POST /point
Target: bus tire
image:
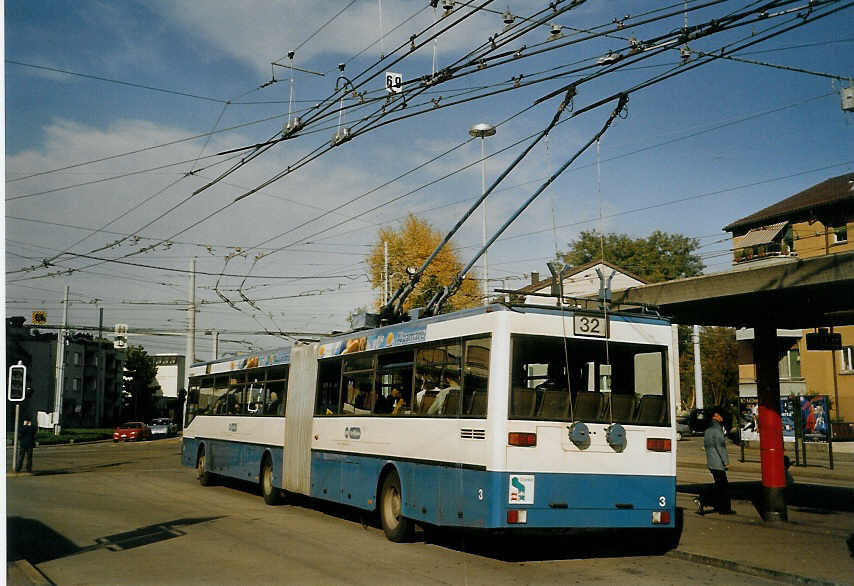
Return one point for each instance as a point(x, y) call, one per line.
point(397, 527)
point(272, 495)
point(205, 477)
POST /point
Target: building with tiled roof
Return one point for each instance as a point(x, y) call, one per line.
point(579, 281)
point(814, 222)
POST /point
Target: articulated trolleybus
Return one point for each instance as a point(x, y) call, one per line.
point(501, 417)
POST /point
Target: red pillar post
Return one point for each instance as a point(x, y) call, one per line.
point(770, 424)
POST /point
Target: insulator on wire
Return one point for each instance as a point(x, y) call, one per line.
point(508, 17)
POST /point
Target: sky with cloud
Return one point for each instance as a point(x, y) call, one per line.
point(117, 113)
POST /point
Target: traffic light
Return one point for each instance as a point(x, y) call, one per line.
point(17, 382)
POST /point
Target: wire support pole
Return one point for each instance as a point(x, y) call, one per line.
point(191, 323)
point(60, 368)
point(483, 219)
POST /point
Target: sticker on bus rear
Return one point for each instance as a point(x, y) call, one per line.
point(521, 489)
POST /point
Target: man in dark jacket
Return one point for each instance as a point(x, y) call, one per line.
point(717, 460)
point(26, 443)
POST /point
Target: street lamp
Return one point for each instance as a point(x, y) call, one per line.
point(483, 130)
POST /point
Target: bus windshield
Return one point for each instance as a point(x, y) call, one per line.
point(588, 380)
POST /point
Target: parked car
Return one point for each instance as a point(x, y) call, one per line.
point(132, 431)
point(683, 427)
point(163, 427)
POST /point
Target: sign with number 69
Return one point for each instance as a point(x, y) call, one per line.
point(393, 82)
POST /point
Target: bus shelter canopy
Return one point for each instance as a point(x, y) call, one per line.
point(790, 293)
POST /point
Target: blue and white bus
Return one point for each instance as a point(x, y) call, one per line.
point(498, 417)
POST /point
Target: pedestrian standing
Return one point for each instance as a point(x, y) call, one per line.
point(26, 443)
point(717, 460)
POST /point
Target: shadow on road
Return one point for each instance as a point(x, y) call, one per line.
point(813, 498)
point(510, 546)
point(86, 468)
point(35, 542)
point(31, 540)
point(565, 545)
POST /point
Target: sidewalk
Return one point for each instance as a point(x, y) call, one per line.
point(815, 546)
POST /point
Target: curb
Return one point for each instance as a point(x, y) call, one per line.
point(784, 577)
point(27, 571)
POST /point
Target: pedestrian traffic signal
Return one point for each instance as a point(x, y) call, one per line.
point(17, 382)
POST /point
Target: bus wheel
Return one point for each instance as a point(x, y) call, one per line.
point(272, 495)
point(397, 527)
point(205, 477)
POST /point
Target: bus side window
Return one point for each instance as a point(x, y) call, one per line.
point(476, 377)
point(274, 401)
point(218, 396)
point(328, 387)
point(438, 373)
point(276, 394)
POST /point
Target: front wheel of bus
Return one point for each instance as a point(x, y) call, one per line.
point(397, 527)
point(205, 477)
point(272, 495)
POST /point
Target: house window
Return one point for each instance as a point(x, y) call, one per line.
point(76, 358)
point(790, 364)
point(846, 361)
point(75, 384)
point(840, 234)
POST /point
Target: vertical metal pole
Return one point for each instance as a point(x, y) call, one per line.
point(102, 369)
point(15, 442)
point(770, 424)
point(191, 324)
point(380, 8)
point(60, 368)
point(215, 350)
point(835, 389)
point(385, 272)
point(483, 226)
point(698, 370)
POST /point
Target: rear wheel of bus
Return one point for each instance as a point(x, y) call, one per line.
point(397, 527)
point(272, 495)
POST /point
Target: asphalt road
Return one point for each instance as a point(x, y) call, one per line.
point(130, 514)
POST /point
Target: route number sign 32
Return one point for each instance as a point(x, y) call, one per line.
point(590, 325)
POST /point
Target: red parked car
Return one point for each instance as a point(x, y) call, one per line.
point(134, 430)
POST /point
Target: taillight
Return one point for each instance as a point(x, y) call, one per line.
point(660, 517)
point(658, 444)
point(521, 439)
point(517, 516)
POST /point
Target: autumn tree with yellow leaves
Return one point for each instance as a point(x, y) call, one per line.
point(409, 247)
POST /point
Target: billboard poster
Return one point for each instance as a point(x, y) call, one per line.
point(814, 420)
point(748, 418)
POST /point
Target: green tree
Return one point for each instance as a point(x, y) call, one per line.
point(409, 247)
point(140, 384)
point(658, 257)
point(719, 361)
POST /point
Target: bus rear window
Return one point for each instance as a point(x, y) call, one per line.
point(582, 380)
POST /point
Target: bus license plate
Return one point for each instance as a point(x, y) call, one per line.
point(590, 325)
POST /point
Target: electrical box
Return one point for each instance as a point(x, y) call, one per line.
point(824, 340)
point(848, 99)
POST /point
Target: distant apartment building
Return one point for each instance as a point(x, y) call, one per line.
point(814, 222)
point(170, 377)
point(92, 375)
